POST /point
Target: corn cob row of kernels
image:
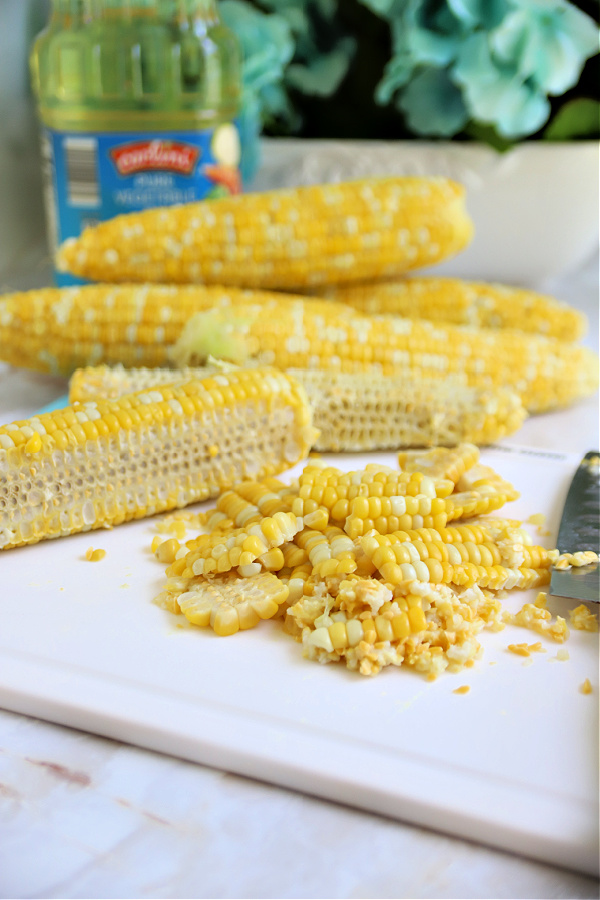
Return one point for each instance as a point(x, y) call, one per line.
point(227, 603)
point(239, 549)
point(357, 412)
point(100, 463)
point(283, 239)
point(546, 373)
point(481, 550)
point(441, 462)
point(408, 561)
point(460, 302)
point(330, 552)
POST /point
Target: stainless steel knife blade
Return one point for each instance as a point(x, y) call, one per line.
point(580, 530)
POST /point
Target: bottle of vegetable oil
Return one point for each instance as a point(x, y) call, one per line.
point(138, 102)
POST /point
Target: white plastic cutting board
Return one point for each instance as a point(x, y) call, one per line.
point(512, 763)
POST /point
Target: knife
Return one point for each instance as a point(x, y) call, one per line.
point(580, 530)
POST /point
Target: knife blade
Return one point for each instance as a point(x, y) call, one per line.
point(580, 530)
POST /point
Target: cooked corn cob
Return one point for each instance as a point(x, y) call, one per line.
point(545, 372)
point(459, 302)
point(370, 411)
point(357, 412)
point(58, 329)
point(100, 463)
point(323, 234)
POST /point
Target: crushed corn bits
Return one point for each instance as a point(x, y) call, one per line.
point(341, 598)
point(582, 619)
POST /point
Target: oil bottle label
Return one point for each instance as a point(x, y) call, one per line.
point(91, 177)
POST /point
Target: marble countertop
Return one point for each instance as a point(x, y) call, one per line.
point(83, 816)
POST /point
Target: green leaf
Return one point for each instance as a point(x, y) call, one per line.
point(576, 119)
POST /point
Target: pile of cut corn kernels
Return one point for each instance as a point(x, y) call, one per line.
point(378, 567)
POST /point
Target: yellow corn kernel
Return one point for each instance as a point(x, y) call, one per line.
point(417, 620)
point(34, 444)
point(384, 629)
point(225, 621)
point(94, 555)
point(401, 626)
point(273, 560)
point(317, 520)
point(370, 632)
point(166, 551)
point(338, 635)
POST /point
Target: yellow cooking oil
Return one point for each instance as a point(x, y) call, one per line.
point(138, 102)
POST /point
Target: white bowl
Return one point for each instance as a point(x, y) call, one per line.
point(535, 207)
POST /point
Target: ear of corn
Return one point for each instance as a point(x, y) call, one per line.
point(459, 302)
point(59, 329)
point(546, 373)
point(100, 463)
point(356, 412)
point(323, 234)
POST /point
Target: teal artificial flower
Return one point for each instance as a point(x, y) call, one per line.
point(492, 62)
point(537, 51)
point(495, 94)
point(267, 47)
point(322, 57)
point(432, 96)
point(547, 41)
point(427, 35)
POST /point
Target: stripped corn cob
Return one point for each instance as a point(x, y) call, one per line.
point(323, 234)
point(100, 463)
point(460, 302)
point(357, 412)
point(58, 329)
point(546, 373)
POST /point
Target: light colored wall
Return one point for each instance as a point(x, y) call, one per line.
point(21, 211)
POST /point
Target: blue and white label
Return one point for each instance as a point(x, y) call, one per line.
point(93, 177)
